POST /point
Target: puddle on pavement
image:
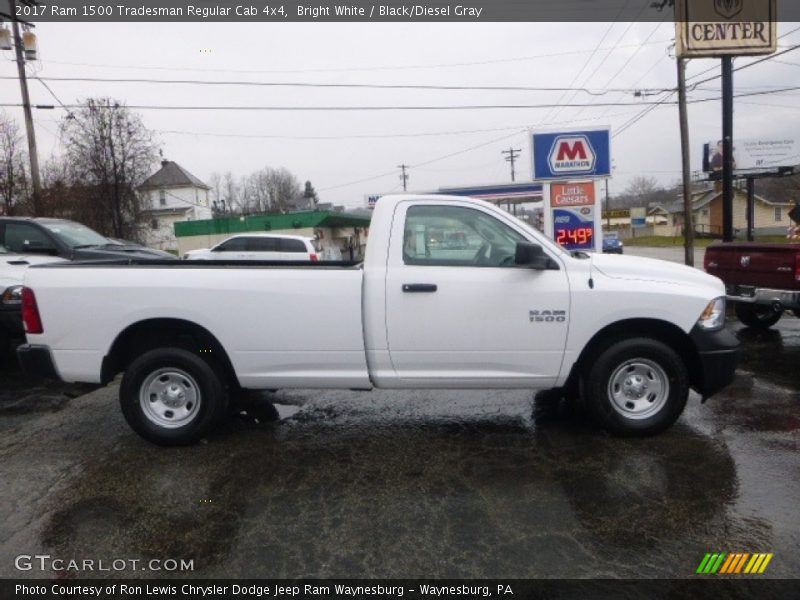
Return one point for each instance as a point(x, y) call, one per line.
point(438, 483)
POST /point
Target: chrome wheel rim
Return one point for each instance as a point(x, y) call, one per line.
point(638, 389)
point(169, 398)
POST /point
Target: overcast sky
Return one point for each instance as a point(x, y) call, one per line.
point(444, 148)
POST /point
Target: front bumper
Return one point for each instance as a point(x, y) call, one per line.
point(37, 362)
point(719, 357)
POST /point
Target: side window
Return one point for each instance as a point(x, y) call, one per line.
point(23, 238)
point(234, 245)
point(293, 246)
point(457, 236)
point(262, 244)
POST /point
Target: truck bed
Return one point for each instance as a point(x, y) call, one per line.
point(751, 264)
point(282, 322)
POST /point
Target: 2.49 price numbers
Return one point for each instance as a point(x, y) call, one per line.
point(581, 236)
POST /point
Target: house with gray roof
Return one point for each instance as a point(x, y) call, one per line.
point(171, 195)
point(770, 216)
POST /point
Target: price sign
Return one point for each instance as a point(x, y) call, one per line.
point(573, 228)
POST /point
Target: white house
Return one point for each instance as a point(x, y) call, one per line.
point(169, 195)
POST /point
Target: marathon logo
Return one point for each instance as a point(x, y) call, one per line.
point(572, 154)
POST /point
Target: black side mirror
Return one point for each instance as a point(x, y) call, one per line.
point(532, 256)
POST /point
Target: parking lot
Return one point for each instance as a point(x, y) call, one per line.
point(413, 484)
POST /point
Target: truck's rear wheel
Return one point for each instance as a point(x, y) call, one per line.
point(172, 397)
point(761, 316)
point(637, 387)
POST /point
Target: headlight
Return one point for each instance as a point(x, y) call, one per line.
point(713, 316)
point(12, 296)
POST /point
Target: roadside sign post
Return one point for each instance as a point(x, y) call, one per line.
point(727, 149)
point(569, 163)
point(724, 29)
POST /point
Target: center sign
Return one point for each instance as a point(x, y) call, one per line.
point(710, 28)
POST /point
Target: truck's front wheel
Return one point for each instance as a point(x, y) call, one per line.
point(760, 316)
point(172, 397)
point(637, 387)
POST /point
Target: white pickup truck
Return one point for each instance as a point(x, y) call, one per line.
point(503, 308)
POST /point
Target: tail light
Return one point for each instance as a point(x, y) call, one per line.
point(30, 312)
point(314, 257)
point(797, 267)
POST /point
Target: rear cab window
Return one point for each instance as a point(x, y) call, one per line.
point(289, 245)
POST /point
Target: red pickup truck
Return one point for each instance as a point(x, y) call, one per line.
point(762, 280)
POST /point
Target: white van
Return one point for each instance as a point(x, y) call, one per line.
point(260, 246)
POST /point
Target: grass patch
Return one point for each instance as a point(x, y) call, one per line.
point(660, 241)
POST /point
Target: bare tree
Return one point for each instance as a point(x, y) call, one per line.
point(231, 194)
point(642, 187)
point(780, 189)
point(109, 151)
point(14, 180)
point(271, 190)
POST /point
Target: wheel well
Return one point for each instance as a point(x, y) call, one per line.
point(662, 331)
point(147, 335)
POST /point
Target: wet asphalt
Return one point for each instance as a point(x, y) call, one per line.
point(412, 484)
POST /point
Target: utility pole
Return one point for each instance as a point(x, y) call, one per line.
point(688, 217)
point(512, 153)
point(404, 176)
point(26, 107)
point(727, 149)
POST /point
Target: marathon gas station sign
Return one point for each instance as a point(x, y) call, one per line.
point(569, 163)
point(708, 28)
point(571, 154)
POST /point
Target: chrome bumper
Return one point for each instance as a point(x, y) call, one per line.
point(750, 295)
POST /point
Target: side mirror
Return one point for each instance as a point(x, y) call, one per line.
point(532, 256)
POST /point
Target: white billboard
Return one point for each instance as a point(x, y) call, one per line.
point(754, 154)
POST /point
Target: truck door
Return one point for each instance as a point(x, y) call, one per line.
point(459, 313)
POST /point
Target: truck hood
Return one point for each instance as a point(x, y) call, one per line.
point(650, 269)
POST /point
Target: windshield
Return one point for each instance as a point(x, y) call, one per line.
point(75, 235)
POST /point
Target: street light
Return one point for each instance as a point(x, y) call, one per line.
point(5, 38)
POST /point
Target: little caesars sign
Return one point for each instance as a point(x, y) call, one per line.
point(707, 28)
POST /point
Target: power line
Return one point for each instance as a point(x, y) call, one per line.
point(516, 127)
point(627, 62)
point(353, 108)
point(583, 68)
point(305, 84)
point(401, 107)
point(327, 70)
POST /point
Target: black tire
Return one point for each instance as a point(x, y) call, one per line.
point(177, 371)
point(760, 316)
point(637, 366)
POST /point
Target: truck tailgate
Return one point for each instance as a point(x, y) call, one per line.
point(759, 265)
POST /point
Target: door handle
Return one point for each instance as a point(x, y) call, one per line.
point(419, 287)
